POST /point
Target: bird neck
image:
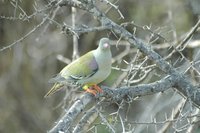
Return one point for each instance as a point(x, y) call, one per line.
point(103, 57)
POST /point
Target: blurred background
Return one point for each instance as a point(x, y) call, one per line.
point(39, 48)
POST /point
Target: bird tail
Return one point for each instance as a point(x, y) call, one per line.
point(56, 87)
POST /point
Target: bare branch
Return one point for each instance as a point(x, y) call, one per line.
point(64, 123)
point(116, 95)
point(183, 43)
point(25, 36)
point(115, 7)
point(106, 122)
point(75, 38)
point(81, 30)
point(85, 120)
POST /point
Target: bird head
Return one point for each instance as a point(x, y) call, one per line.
point(104, 44)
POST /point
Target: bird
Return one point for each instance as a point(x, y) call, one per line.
point(87, 71)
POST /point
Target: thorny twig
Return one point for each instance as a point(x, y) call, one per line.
point(25, 36)
point(183, 43)
point(64, 123)
point(46, 17)
point(115, 7)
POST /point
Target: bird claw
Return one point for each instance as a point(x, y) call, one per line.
point(93, 89)
point(97, 88)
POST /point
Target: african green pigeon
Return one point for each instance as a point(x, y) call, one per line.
point(88, 70)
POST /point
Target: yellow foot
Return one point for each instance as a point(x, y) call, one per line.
point(93, 89)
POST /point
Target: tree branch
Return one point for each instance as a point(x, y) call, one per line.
point(116, 94)
point(64, 123)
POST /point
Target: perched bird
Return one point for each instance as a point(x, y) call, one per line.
point(88, 70)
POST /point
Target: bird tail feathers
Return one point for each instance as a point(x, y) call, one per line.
point(56, 87)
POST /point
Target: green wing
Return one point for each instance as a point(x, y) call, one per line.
point(83, 67)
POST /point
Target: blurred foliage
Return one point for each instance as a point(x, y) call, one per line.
point(26, 67)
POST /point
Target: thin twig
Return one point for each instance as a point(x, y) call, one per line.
point(106, 122)
point(64, 123)
point(75, 54)
point(183, 43)
point(26, 35)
